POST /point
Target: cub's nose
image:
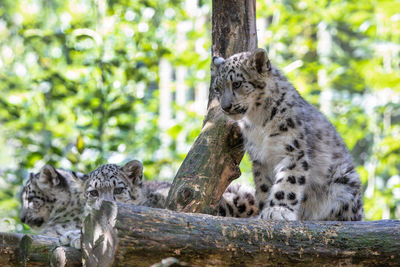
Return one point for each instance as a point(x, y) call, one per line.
point(226, 107)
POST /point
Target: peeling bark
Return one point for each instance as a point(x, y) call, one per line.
point(213, 161)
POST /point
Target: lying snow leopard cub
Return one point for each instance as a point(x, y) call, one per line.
point(52, 203)
point(301, 167)
point(124, 184)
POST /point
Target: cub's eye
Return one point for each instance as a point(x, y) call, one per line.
point(94, 193)
point(118, 190)
point(236, 85)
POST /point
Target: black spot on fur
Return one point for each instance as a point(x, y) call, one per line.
point(292, 166)
point(242, 208)
point(346, 207)
point(283, 128)
point(274, 134)
point(264, 188)
point(305, 198)
point(273, 113)
point(258, 104)
point(291, 179)
point(305, 165)
point(350, 169)
point(279, 195)
point(279, 180)
point(261, 205)
point(296, 144)
point(294, 203)
point(283, 110)
point(290, 123)
point(289, 148)
point(257, 173)
point(222, 212)
point(301, 154)
point(235, 200)
point(291, 196)
point(342, 180)
point(302, 180)
point(280, 100)
point(250, 212)
point(271, 203)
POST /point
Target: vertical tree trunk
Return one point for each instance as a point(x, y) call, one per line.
point(213, 161)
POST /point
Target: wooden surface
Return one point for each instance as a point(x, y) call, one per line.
point(213, 161)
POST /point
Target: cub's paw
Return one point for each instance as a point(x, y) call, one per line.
point(76, 242)
point(71, 238)
point(277, 213)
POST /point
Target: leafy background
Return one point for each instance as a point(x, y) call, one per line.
point(79, 84)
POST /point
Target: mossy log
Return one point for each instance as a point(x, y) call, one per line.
point(35, 250)
point(147, 235)
point(213, 161)
point(144, 236)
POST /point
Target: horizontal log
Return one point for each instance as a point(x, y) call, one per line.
point(35, 250)
point(146, 236)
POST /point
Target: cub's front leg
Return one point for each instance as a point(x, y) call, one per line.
point(283, 202)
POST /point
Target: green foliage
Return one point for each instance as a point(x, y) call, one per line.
point(79, 84)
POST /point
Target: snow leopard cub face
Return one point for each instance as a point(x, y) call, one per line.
point(46, 194)
point(114, 183)
point(239, 79)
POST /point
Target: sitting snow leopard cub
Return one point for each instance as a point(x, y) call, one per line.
point(301, 167)
point(52, 203)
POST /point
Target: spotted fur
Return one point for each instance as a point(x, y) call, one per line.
point(52, 203)
point(301, 167)
point(238, 201)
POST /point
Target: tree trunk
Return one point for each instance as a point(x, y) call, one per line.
point(146, 236)
point(30, 250)
point(213, 161)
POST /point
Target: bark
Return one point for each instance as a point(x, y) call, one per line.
point(99, 236)
point(31, 250)
point(213, 161)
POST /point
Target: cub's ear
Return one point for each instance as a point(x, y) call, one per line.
point(260, 61)
point(134, 170)
point(49, 176)
point(216, 62)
